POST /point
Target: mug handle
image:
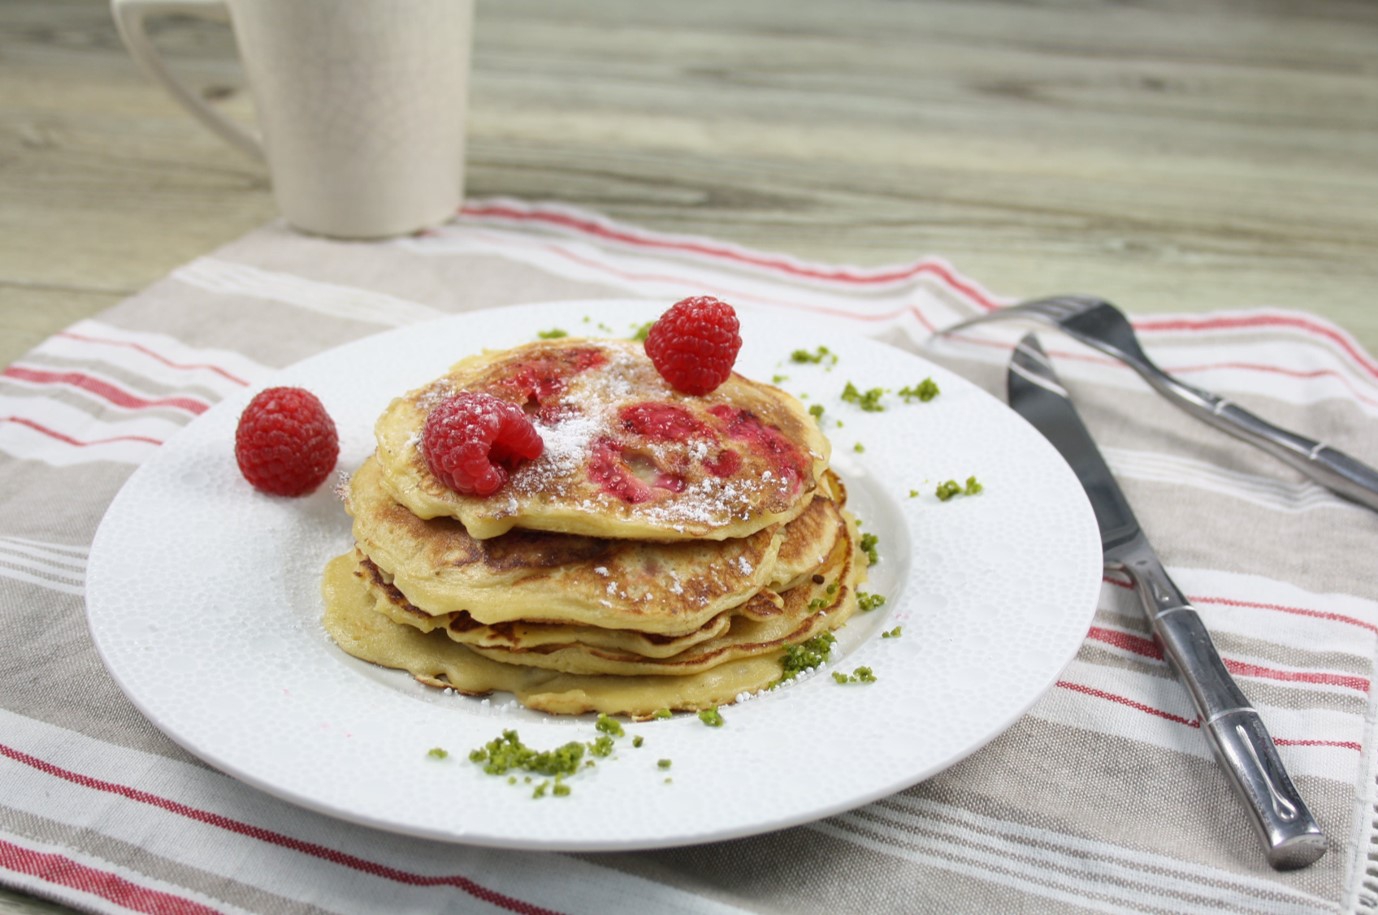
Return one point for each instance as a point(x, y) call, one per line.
point(130, 16)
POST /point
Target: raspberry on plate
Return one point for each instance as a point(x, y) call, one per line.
point(471, 441)
point(286, 444)
point(694, 344)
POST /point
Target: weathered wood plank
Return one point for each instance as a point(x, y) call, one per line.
point(1169, 156)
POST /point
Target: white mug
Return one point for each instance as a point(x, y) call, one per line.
point(361, 103)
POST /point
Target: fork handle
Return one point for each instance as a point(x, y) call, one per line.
point(1328, 466)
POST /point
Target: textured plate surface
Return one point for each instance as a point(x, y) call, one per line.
point(203, 600)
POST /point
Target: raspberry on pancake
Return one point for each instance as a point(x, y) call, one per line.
point(625, 454)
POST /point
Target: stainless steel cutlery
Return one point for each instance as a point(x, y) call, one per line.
point(1241, 743)
point(1104, 327)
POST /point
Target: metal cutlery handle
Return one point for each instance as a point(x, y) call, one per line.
point(1329, 467)
point(1241, 743)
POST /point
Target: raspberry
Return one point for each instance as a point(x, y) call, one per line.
point(472, 441)
point(286, 443)
point(695, 344)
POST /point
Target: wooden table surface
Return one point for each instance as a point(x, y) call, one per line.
point(1169, 155)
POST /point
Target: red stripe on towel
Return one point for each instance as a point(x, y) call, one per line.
point(129, 344)
point(788, 266)
point(103, 389)
point(353, 862)
point(63, 871)
point(67, 439)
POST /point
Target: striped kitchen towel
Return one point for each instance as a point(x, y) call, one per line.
point(1102, 798)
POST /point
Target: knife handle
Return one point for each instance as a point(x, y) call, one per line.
point(1291, 836)
point(1328, 466)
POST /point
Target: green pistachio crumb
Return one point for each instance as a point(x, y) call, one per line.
point(952, 488)
point(913, 493)
point(506, 753)
point(663, 763)
point(820, 355)
point(868, 400)
point(638, 740)
point(609, 725)
point(601, 747)
point(560, 789)
point(923, 392)
point(669, 780)
point(555, 333)
point(711, 717)
point(777, 379)
point(860, 675)
point(661, 713)
point(641, 332)
point(839, 676)
point(541, 789)
point(868, 545)
point(805, 656)
point(816, 411)
point(859, 448)
point(437, 753)
point(893, 633)
point(868, 602)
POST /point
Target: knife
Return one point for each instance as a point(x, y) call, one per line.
point(1242, 745)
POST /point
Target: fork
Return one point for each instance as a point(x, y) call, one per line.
point(1103, 327)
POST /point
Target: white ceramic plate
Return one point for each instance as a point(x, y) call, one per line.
point(203, 601)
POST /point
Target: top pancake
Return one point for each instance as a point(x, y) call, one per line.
point(626, 456)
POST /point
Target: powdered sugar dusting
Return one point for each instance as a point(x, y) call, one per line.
point(647, 474)
point(567, 444)
point(430, 397)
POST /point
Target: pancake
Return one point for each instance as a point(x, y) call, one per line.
point(537, 576)
point(762, 626)
point(810, 537)
point(436, 661)
point(625, 455)
point(662, 552)
point(521, 635)
point(433, 658)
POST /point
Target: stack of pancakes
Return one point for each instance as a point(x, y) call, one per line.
point(661, 553)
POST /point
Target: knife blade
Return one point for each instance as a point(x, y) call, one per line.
point(1291, 836)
